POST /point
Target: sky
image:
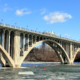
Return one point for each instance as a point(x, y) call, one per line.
point(60, 16)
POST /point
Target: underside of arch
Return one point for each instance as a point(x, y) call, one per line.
point(76, 52)
point(46, 41)
point(2, 60)
point(59, 55)
point(6, 57)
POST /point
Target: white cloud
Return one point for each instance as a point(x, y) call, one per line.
point(43, 11)
point(56, 17)
point(22, 12)
point(6, 4)
point(59, 34)
point(67, 35)
point(5, 9)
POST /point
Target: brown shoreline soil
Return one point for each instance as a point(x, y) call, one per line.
point(46, 56)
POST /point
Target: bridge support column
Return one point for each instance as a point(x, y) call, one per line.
point(67, 48)
point(9, 43)
point(1, 38)
point(27, 41)
point(39, 38)
point(17, 49)
point(31, 40)
point(71, 61)
point(23, 42)
point(6, 46)
point(62, 44)
point(4, 38)
point(73, 51)
point(35, 39)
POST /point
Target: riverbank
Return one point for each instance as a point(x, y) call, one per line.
point(40, 63)
point(43, 63)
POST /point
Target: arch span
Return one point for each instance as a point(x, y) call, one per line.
point(76, 53)
point(2, 60)
point(7, 57)
point(59, 55)
point(47, 41)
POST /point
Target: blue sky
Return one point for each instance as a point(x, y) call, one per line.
point(59, 16)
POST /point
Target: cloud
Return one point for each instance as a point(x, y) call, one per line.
point(59, 34)
point(5, 9)
point(56, 17)
point(67, 35)
point(22, 12)
point(6, 4)
point(43, 11)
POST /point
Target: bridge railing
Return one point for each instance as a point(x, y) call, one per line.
point(17, 27)
point(7, 25)
point(47, 33)
point(23, 28)
point(1, 23)
point(13, 26)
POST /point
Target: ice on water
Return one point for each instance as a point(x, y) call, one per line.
point(26, 73)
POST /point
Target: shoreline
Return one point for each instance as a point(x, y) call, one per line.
point(40, 63)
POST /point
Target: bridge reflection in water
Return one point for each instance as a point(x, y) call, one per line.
point(16, 43)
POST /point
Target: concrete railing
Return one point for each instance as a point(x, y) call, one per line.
point(49, 34)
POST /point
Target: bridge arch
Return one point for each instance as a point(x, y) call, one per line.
point(2, 60)
point(1, 36)
point(76, 52)
point(6, 57)
point(51, 43)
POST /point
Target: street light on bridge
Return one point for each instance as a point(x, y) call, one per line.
point(15, 24)
point(60, 35)
point(27, 27)
point(2, 20)
point(36, 29)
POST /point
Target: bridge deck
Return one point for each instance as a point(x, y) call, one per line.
point(3, 26)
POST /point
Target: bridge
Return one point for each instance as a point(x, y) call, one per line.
point(17, 42)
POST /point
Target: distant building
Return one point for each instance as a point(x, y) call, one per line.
point(49, 48)
point(43, 44)
point(46, 46)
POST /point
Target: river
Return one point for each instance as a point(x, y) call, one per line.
point(41, 71)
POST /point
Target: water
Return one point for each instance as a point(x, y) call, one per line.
point(37, 72)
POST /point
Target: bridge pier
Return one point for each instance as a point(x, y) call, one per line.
point(71, 60)
point(9, 43)
point(17, 49)
point(23, 42)
point(27, 40)
point(4, 38)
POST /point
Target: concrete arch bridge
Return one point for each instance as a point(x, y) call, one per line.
point(16, 43)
